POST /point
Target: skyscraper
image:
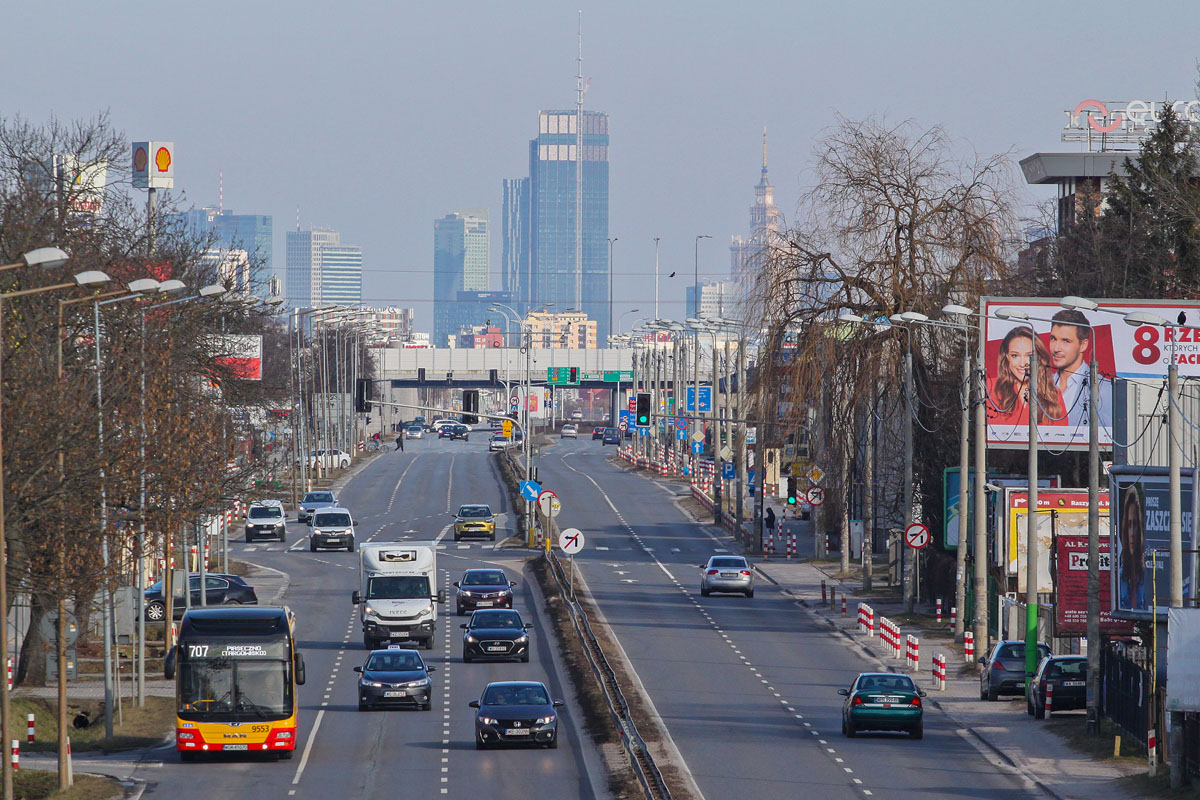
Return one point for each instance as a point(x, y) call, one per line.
point(747, 255)
point(540, 263)
point(514, 257)
point(253, 233)
point(461, 256)
point(321, 270)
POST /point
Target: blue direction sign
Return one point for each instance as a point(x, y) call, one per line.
point(698, 448)
point(728, 470)
point(530, 490)
point(680, 436)
point(643, 432)
point(705, 398)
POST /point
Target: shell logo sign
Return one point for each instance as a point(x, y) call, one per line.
point(153, 165)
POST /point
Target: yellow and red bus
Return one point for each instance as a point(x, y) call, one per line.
point(236, 670)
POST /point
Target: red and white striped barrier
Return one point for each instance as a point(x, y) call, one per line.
point(939, 609)
point(889, 634)
point(866, 619)
point(862, 617)
point(29, 729)
point(791, 545)
point(870, 621)
point(953, 615)
point(16, 754)
point(10, 677)
point(939, 671)
point(969, 646)
point(1152, 749)
point(843, 604)
point(1049, 699)
point(771, 542)
point(912, 652)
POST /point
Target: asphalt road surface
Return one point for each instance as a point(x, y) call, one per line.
point(345, 753)
point(747, 687)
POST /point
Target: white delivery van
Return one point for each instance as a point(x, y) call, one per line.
point(398, 595)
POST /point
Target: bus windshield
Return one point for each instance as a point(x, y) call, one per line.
point(398, 587)
point(219, 683)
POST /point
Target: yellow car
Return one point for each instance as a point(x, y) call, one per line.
point(474, 520)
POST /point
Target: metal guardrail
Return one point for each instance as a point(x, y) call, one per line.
point(648, 775)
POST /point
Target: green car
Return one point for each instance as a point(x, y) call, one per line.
point(883, 701)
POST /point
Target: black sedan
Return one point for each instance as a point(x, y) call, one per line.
point(394, 677)
point(220, 590)
point(498, 634)
point(452, 432)
point(516, 712)
point(483, 588)
point(1068, 676)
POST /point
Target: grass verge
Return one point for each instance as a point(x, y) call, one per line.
point(37, 784)
point(143, 727)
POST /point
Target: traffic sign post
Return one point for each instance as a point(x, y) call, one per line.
point(916, 535)
point(547, 503)
point(570, 542)
point(815, 496)
point(530, 490)
point(728, 470)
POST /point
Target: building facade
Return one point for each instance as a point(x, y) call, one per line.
point(461, 256)
point(468, 311)
point(747, 255)
point(562, 331)
point(252, 233)
point(717, 298)
point(231, 268)
point(567, 252)
point(396, 324)
point(321, 270)
point(515, 251)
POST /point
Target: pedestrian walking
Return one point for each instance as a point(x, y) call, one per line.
point(769, 519)
point(400, 441)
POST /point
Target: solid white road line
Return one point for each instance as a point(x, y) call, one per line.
point(308, 747)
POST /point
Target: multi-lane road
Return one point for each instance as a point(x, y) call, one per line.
point(344, 753)
point(746, 687)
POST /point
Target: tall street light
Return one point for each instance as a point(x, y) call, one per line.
point(87, 278)
point(613, 240)
point(656, 238)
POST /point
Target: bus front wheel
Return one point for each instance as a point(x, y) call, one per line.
point(285, 755)
point(187, 755)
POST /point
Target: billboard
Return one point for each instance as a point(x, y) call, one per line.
point(153, 165)
point(1071, 579)
point(1183, 668)
point(1060, 512)
point(1141, 519)
point(241, 354)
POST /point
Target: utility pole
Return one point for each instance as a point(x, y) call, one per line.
point(980, 553)
point(964, 496)
point(1031, 541)
point(907, 554)
point(1093, 588)
point(868, 540)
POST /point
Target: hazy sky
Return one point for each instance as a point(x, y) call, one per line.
point(377, 118)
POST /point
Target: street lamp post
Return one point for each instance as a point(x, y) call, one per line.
point(33, 258)
point(613, 240)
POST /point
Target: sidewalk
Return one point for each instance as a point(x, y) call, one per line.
point(1004, 729)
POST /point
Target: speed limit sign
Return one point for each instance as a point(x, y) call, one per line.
point(916, 535)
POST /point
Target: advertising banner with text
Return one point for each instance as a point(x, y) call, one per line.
point(1060, 512)
point(1071, 580)
point(1141, 524)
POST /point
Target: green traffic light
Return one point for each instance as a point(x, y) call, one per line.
point(791, 501)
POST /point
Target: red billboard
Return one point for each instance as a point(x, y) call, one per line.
point(1071, 581)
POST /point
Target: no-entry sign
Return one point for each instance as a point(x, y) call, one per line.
point(916, 535)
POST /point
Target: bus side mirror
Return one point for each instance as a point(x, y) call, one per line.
point(299, 670)
point(356, 598)
point(169, 664)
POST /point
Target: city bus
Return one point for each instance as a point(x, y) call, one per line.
point(236, 670)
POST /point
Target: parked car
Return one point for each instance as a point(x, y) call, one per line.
point(598, 432)
point(395, 677)
point(1002, 671)
point(332, 527)
point(1068, 675)
point(475, 519)
point(611, 436)
point(883, 701)
point(266, 518)
point(568, 432)
point(726, 574)
point(312, 501)
point(220, 589)
point(516, 712)
point(495, 633)
point(455, 430)
point(327, 459)
point(483, 588)
point(414, 432)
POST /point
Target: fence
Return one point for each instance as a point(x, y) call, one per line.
point(1125, 693)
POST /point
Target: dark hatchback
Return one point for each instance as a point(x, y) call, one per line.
point(395, 677)
point(455, 431)
point(220, 590)
point(611, 436)
point(1068, 675)
point(483, 588)
point(597, 433)
point(516, 712)
point(495, 634)
point(1003, 670)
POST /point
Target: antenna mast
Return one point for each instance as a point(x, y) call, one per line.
point(579, 91)
point(221, 192)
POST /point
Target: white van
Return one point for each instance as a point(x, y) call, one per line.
point(397, 596)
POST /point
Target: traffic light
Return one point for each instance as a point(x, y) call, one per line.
point(791, 497)
point(643, 408)
point(574, 374)
point(363, 395)
point(470, 403)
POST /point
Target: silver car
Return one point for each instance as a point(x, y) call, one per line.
point(727, 574)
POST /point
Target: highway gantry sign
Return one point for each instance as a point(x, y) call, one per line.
point(571, 541)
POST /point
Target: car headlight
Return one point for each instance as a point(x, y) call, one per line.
point(427, 609)
point(422, 682)
point(370, 612)
point(372, 684)
point(522, 639)
point(186, 735)
point(488, 721)
point(544, 720)
point(471, 639)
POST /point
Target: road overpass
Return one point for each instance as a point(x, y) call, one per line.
point(473, 368)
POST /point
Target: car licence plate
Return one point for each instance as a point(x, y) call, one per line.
point(1074, 683)
point(517, 732)
point(236, 747)
point(398, 635)
point(483, 603)
point(729, 574)
point(888, 699)
point(394, 694)
point(499, 648)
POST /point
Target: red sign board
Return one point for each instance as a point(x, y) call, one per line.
point(1070, 609)
point(632, 404)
